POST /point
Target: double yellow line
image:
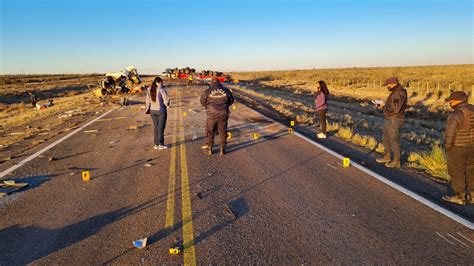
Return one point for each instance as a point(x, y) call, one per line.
point(187, 217)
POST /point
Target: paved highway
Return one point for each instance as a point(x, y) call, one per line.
point(276, 199)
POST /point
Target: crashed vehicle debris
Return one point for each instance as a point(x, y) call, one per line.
point(116, 82)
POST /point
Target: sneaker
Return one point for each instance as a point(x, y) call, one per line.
point(156, 147)
point(456, 199)
point(393, 164)
point(384, 159)
point(162, 147)
point(321, 136)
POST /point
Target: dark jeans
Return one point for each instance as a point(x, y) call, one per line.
point(391, 137)
point(461, 168)
point(159, 124)
point(322, 119)
point(221, 123)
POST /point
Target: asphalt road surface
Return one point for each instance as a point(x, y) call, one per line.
point(273, 199)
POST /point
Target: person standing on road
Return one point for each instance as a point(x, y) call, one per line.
point(459, 143)
point(394, 113)
point(216, 99)
point(157, 103)
point(320, 100)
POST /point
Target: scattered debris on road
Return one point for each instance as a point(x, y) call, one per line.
point(91, 131)
point(140, 243)
point(52, 159)
point(9, 186)
point(229, 211)
point(148, 165)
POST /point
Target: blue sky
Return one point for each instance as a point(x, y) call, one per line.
point(74, 36)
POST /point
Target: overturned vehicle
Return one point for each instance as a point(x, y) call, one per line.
point(116, 82)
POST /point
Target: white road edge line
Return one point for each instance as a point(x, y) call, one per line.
point(31, 157)
point(405, 191)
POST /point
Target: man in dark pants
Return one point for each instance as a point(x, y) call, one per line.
point(459, 142)
point(394, 113)
point(217, 100)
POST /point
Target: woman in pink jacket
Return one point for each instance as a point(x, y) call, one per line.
point(320, 100)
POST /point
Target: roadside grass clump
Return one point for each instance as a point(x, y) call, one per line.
point(432, 162)
point(371, 143)
point(380, 148)
point(345, 133)
point(358, 139)
point(333, 127)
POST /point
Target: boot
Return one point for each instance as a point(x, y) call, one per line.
point(458, 198)
point(384, 159)
point(395, 163)
point(222, 151)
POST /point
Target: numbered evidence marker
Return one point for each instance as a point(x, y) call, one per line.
point(86, 176)
point(290, 130)
point(174, 250)
point(255, 136)
point(184, 114)
point(292, 123)
point(229, 135)
point(346, 162)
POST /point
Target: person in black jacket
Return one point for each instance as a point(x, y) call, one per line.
point(459, 144)
point(394, 113)
point(216, 99)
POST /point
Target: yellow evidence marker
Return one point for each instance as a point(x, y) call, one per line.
point(292, 123)
point(86, 176)
point(184, 114)
point(229, 135)
point(255, 136)
point(290, 130)
point(174, 251)
point(346, 162)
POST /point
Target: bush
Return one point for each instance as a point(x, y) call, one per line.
point(380, 148)
point(371, 143)
point(432, 162)
point(345, 133)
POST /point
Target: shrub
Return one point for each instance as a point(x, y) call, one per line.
point(432, 162)
point(371, 143)
point(380, 148)
point(345, 133)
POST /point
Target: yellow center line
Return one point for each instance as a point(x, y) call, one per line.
point(188, 231)
point(172, 177)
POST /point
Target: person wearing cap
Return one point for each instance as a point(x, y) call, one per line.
point(459, 144)
point(216, 99)
point(394, 113)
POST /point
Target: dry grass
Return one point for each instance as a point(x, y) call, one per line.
point(290, 93)
point(345, 133)
point(432, 162)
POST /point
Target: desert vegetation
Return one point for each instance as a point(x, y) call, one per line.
point(351, 115)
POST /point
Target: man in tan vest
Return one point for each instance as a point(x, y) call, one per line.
point(459, 143)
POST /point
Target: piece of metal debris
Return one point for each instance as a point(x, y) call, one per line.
point(229, 211)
